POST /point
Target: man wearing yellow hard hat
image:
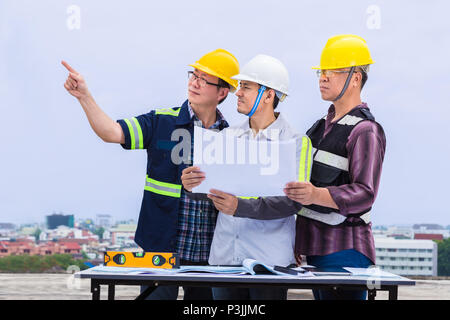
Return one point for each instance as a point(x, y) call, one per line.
point(168, 220)
point(333, 226)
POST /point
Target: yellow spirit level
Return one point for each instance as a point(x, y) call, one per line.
point(164, 260)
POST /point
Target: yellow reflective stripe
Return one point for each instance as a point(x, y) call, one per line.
point(163, 188)
point(304, 171)
point(130, 129)
point(162, 192)
point(248, 197)
point(139, 129)
point(310, 160)
point(169, 112)
point(164, 184)
point(301, 169)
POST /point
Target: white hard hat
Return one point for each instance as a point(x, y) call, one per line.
point(267, 71)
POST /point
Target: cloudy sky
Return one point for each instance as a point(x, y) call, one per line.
point(134, 57)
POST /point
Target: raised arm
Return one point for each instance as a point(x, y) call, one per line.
point(105, 127)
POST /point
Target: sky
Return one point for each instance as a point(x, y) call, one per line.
point(134, 56)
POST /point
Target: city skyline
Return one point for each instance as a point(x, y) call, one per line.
point(118, 220)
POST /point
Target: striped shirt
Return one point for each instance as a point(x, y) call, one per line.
point(197, 218)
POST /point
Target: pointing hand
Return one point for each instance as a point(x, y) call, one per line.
point(75, 83)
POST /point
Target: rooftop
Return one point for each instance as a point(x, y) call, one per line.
point(403, 243)
point(60, 286)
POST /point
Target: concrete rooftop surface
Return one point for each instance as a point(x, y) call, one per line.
point(66, 287)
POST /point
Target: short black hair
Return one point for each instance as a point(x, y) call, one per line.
point(363, 79)
point(363, 70)
point(276, 100)
point(223, 84)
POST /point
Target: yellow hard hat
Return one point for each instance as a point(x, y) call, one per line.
point(219, 63)
point(343, 51)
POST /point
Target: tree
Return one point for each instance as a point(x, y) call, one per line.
point(444, 257)
point(36, 234)
point(99, 232)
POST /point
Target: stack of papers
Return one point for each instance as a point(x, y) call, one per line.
point(249, 266)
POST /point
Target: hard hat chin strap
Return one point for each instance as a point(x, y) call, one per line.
point(258, 98)
point(347, 82)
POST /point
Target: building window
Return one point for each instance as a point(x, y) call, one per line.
point(392, 250)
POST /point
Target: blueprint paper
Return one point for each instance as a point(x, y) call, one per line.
point(243, 167)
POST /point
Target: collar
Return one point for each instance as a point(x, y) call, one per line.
point(332, 111)
point(272, 132)
point(184, 116)
point(220, 119)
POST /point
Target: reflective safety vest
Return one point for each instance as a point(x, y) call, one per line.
point(158, 218)
point(331, 166)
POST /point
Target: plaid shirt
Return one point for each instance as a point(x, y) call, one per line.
point(197, 218)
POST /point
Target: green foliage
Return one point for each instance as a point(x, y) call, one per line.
point(99, 232)
point(37, 233)
point(35, 263)
point(444, 257)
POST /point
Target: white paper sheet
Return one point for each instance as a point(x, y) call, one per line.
point(374, 272)
point(243, 167)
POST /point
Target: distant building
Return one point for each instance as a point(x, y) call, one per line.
point(407, 257)
point(428, 228)
point(25, 247)
point(63, 232)
point(56, 220)
point(104, 220)
point(28, 231)
point(123, 234)
point(396, 231)
point(7, 227)
point(7, 230)
point(428, 236)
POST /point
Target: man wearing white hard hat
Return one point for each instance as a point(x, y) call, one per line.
point(264, 82)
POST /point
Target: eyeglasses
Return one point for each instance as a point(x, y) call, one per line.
point(331, 73)
point(201, 81)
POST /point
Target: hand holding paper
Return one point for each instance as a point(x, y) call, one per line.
point(192, 177)
point(224, 202)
